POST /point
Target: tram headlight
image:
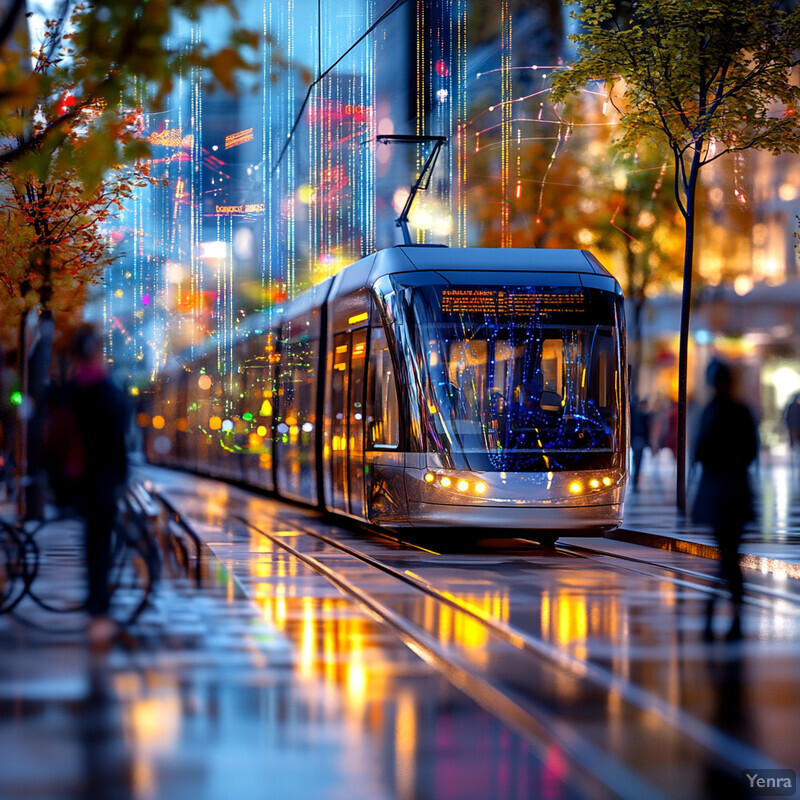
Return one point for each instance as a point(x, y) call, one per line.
point(594, 483)
point(607, 481)
point(575, 487)
point(462, 485)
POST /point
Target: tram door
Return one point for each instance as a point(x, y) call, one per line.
point(358, 362)
point(347, 421)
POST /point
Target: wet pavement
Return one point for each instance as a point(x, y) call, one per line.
point(269, 681)
point(771, 543)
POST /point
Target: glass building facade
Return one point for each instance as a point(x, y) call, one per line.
point(270, 191)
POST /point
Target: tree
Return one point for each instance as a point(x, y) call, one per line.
point(106, 54)
point(54, 247)
point(577, 190)
point(708, 77)
point(68, 127)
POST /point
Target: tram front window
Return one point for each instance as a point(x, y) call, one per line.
point(520, 378)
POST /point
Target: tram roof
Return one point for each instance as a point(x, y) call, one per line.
point(487, 259)
point(483, 260)
point(362, 274)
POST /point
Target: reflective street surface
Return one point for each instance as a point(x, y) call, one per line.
point(321, 661)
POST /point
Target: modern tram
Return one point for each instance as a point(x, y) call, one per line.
point(422, 387)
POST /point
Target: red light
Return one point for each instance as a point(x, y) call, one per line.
point(442, 70)
point(67, 101)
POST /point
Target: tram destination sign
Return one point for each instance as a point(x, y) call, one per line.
point(539, 302)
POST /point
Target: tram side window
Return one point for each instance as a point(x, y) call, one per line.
point(298, 384)
point(382, 403)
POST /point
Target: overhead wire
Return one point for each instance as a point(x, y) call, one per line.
point(389, 11)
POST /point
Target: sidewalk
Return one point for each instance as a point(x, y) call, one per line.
point(196, 700)
point(770, 544)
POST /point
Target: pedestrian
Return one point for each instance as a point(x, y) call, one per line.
point(727, 443)
point(100, 416)
point(640, 437)
point(791, 416)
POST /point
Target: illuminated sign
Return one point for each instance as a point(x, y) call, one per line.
point(250, 208)
point(505, 303)
point(240, 137)
point(331, 110)
point(171, 137)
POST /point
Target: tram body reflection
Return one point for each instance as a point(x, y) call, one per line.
point(424, 387)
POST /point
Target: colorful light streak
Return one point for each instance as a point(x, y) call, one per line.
point(313, 209)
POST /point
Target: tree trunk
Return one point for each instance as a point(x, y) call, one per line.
point(38, 381)
point(21, 445)
point(683, 349)
point(635, 301)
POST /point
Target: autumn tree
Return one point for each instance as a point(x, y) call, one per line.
point(704, 78)
point(106, 53)
point(54, 247)
point(68, 128)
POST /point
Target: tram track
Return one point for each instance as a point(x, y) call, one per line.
point(539, 726)
point(505, 702)
point(535, 717)
point(754, 593)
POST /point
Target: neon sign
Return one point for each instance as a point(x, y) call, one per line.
point(240, 137)
point(250, 208)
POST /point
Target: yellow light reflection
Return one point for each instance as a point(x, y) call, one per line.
point(308, 640)
point(143, 777)
point(405, 736)
point(571, 619)
point(356, 680)
point(155, 722)
point(280, 612)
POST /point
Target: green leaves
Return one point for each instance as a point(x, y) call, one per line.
point(701, 75)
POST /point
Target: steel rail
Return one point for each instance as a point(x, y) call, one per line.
point(696, 580)
point(537, 727)
point(723, 747)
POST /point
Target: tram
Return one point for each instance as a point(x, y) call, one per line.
point(423, 387)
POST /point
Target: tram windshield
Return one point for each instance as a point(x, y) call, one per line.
point(519, 377)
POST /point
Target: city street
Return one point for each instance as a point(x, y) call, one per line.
point(399, 401)
point(324, 661)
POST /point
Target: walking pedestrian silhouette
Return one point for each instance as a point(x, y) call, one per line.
point(94, 426)
point(791, 417)
point(727, 443)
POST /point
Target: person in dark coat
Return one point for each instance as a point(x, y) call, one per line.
point(791, 416)
point(727, 443)
point(101, 417)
